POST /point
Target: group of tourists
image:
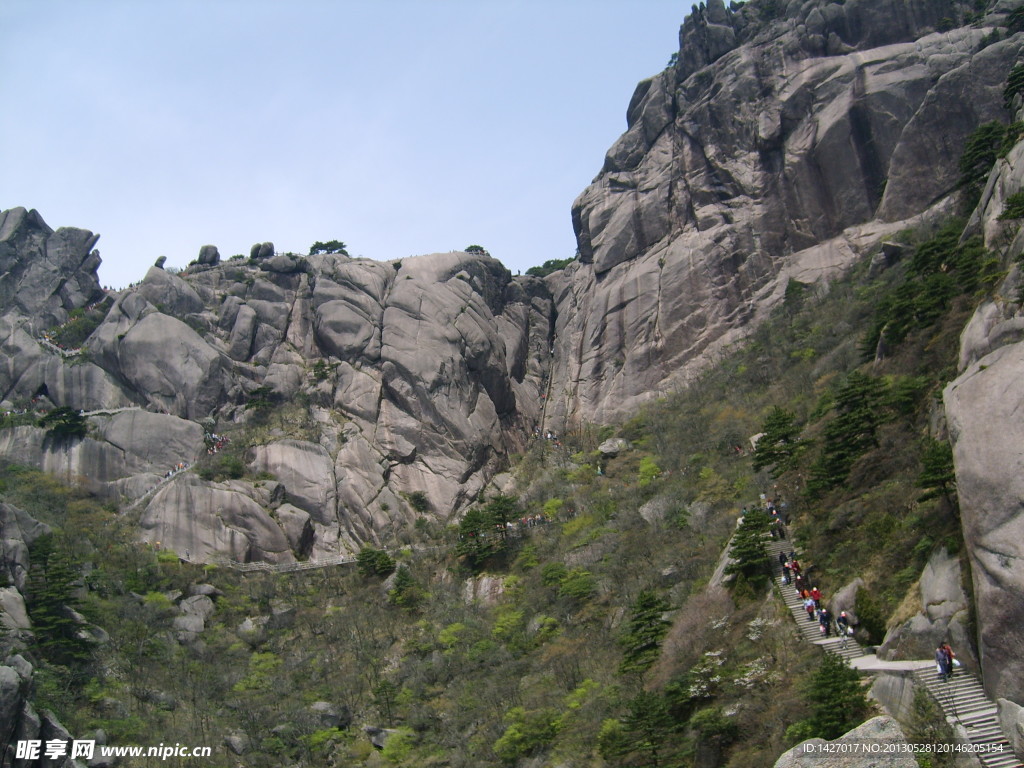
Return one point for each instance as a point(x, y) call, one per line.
point(528, 521)
point(945, 661)
point(792, 574)
point(181, 466)
point(810, 594)
point(215, 442)
point(51, 340)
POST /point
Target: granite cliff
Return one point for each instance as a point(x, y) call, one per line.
point(773, 150)
point(786, 143)
point(417, 377)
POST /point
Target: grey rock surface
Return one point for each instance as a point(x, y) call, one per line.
point(13, 614)
point(45, 274)
point(729, 182)
point(208, 255)
point(1011, 719)
point(881, 729)
point(983, 406)
point(943, 616)
point(212, 521)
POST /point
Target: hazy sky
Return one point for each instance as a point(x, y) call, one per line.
point(398, 127)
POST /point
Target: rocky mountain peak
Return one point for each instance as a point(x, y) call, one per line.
point(787, 141)
point(45, 274)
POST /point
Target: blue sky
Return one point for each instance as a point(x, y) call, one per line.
point(398, 127)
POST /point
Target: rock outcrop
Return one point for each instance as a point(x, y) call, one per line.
point(983, 406)
point(944, 615)
point(881, 730)
point(45, 274)
point(390, 379)
point(773, 151)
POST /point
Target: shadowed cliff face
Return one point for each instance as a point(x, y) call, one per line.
point(772, 151)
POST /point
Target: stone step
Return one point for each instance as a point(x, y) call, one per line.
point(975, 703)
point(972, 714)
point(961, 698)
point(1004, 759)
point(989, 735)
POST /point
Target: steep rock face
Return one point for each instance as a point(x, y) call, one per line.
point(770, 152)
point(413, 377)
point(943, 615)
point(983, 407)
point(45, 274)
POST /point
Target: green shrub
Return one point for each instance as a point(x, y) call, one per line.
point(1013, 208)
point(579, 584)
point(551, 575)
point(64, 423)
point(418, 501)
point(374, 562)
point(549, 266)
point(526, 733)
point(869, 614)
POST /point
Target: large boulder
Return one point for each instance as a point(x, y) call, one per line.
point(208, 256)
point(45, 274)
point(819, 753)
point(1011, 719)
point(983, 406)
point(212, 521)
point(18, 530)
point(944, 615)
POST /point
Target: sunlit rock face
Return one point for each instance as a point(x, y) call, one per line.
point(386, 380)
point(773, 150)
point(984, 406)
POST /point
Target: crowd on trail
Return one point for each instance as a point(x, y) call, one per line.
point(529, 521)
point(36, 406)
point(792, 575)
point(844, 624)
point(215, 442)
point(53, 341)
point(547, 435)
point(181, 466)
point(777, 510)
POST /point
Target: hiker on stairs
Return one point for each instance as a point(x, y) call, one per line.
point(943, 663)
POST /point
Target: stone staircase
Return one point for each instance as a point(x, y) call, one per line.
point(810, 631)
point(962, 699)
point(969, 710)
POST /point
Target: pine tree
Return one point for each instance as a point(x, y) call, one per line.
point(851, 433)
point(748, 552)
point(51, 602)
point(479, 537)
point(649, 727)
point(938, 476)
point(777, 447)
point(837, 698)
point(645, 631)
point(406, 592)
point(374, 562)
